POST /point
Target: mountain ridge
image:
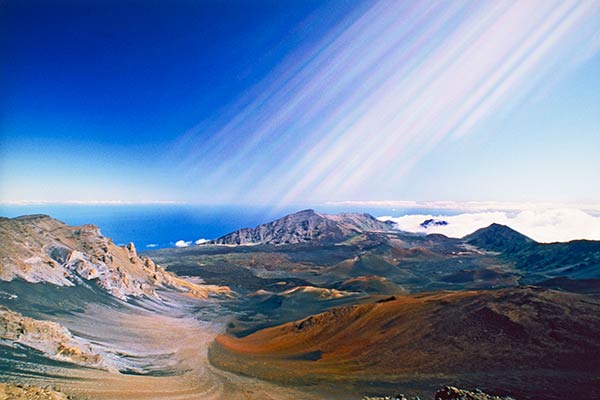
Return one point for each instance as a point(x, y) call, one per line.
point(498, 237)
point(579, 259)
point(303, 227)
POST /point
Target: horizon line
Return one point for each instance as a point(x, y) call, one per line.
point(87, 202)
point(472, 205)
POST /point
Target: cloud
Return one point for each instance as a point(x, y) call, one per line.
point(182, 243)
point(152, 245)
point(542, 225)
point(201, 241)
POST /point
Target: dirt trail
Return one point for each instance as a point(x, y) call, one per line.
point(169, 347)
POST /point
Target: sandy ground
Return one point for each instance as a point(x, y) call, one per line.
point(171, 344)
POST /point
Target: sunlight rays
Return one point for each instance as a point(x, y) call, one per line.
point(378, 94)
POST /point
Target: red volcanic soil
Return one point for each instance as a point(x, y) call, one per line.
point(529, 342)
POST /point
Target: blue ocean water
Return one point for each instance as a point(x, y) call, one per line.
point(159, 226)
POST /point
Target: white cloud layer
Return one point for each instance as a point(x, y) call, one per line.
point(182, 243)
point(468, 206)
point(542, 225)
point(201, 241)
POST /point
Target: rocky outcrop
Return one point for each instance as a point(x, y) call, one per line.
point(447, 393)
point(317, 292)
point(453, 393)
point(306, 226)
point(52, 339)
point(11, 391)
point(306, 293)
point(38, 248)
point(428, 223)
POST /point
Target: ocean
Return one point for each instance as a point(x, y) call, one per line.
point(159, 226)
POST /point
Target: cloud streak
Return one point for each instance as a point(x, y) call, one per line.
point(381, 91)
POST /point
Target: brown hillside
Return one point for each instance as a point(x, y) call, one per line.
point(518, 339)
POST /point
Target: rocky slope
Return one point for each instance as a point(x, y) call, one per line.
point(499, 238)
point(52, 339)
point(306, 226)
point(38, 248)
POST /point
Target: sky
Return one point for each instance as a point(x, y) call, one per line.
point(299, 101)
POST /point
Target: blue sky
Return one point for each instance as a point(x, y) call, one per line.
point(299, 101)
